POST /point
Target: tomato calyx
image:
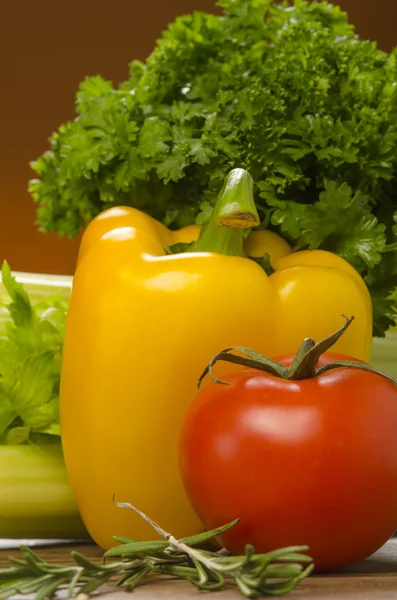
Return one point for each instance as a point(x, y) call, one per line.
point(304, 365)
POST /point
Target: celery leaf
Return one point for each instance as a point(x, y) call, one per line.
point(30, 359)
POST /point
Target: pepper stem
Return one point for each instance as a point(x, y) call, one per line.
point(304, 365)
point(234, 211)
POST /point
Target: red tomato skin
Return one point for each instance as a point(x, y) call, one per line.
point(312, 462)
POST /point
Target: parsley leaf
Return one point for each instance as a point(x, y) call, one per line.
point(342, 223)
point(286, 90)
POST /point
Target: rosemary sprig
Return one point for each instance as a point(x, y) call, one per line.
point(273, 573)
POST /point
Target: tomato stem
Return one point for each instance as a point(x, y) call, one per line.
point(309, 353)
point(304, 365)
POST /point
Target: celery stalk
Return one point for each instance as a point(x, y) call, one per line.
point(35, 497)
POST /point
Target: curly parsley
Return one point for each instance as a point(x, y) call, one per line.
point(286, 91)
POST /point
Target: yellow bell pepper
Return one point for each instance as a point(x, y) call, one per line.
point(141, 326)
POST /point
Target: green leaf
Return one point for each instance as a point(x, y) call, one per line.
point(20, 308)
point(284, 89)
point(133, 548)
point(7, 412)
point(172, 169)
point(384, 310)
point(87, 564)
point(30, 361)
point(18, 435)
point(53, 429)
point(288, 216)
point(123, 540)
point(177, 248)
point(264, 263)
point(31, 395)
point(342, 222)
point(94, 584)
point(133, 581)
point(245, 589)
point(153, 138)
point(202, 574)
point(205, 536)
point(90, 88)
point(200, 153)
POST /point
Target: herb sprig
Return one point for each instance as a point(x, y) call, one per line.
point(272, 573)
point(285, 90)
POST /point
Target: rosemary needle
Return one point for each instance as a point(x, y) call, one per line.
point(273, 573)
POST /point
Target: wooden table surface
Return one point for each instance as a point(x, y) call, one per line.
point(373, 579)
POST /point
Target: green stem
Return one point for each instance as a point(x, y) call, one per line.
point(304, 365)
point(35, 498)
point(234, 211)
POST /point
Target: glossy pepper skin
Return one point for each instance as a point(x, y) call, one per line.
point(142, 324)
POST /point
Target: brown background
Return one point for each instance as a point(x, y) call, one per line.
point(46, 48)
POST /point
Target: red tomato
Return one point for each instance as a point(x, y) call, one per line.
point(300, 462)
